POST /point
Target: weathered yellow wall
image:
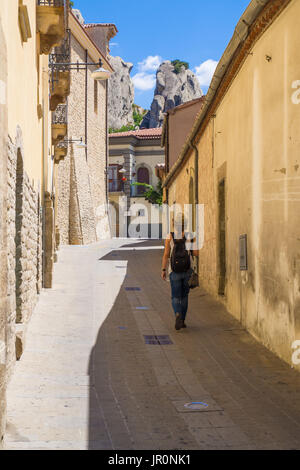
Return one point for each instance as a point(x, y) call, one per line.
point(253, 141)
point(179, 194)
point(27, 86)
point(3, 232)
point(207, 196)
point(178, 190)
point(257, 135)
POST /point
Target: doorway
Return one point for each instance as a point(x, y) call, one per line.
point(143, 177)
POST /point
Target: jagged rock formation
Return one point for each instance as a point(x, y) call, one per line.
point(172, 89)
point(120, 94)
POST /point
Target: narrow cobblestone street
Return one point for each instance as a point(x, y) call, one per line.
point(88, 380)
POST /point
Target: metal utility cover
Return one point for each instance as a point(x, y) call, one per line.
point(182, 406)
point(151, 339)
point(132, 288)
point(142, 308)
point(157, 339)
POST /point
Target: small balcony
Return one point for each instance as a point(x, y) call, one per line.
point(60, 89)
point(51, 23)
point(59, 123)
point(59, 64)
point(116, 186)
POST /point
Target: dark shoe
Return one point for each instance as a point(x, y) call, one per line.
point(178, 323)
point(183, 325)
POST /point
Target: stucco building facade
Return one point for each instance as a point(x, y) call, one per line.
point(133, 158)
point(241, 160)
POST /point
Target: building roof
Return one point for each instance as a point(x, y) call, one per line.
point(187, 104)
point(94, 25)
point(112, 28)
point(141, 134)
point(80, 27)
point(174, 110)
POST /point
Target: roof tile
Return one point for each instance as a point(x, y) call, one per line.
point(142, 134)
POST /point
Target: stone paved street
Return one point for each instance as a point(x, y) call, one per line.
point(87, 380)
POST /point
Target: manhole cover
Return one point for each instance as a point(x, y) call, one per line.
point(142, 308)
point(196, 405)
point(207, 405)
point(132, 288)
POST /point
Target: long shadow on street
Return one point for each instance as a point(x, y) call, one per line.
point(133, 397)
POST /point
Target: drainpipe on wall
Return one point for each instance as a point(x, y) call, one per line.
point(196, 166)
point(107, 147)
point(43, 190)
point(86, 103)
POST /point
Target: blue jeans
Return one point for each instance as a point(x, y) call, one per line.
point(180, 292)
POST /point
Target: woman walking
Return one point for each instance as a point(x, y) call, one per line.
point(177, 260)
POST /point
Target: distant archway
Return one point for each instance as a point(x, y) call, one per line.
point(114, 219)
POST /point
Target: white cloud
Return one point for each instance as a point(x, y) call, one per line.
point(114, 44)
point(145, 79)
point(205, 72)
point(150, 64)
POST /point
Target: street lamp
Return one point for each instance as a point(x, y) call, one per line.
point(101, 74)
point(79, 145)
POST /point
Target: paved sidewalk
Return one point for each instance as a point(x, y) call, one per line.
point(88, 380)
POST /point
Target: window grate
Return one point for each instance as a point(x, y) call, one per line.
point(51, 3)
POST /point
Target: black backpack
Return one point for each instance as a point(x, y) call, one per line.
point(180, 258)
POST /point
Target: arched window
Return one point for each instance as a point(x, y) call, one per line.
point(143, 177)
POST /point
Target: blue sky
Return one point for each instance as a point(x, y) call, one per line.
point(195, 31)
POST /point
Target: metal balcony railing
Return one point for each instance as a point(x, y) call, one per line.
point(59, 59)
point(51, 3)
point(115, 186)
point(60, 115)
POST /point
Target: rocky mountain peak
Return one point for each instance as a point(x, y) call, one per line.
point(120, 94)
point(174, 86)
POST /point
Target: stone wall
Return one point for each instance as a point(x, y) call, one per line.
point(11, 254)
point(24, 255)
point(81, 188)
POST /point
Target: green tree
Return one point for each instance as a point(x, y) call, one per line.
point(178, 64)
point(152, 195)
point(137, 118)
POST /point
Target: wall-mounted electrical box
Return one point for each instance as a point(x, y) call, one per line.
point(243, 253)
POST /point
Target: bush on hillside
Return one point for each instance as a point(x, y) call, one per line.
point(177, 64)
